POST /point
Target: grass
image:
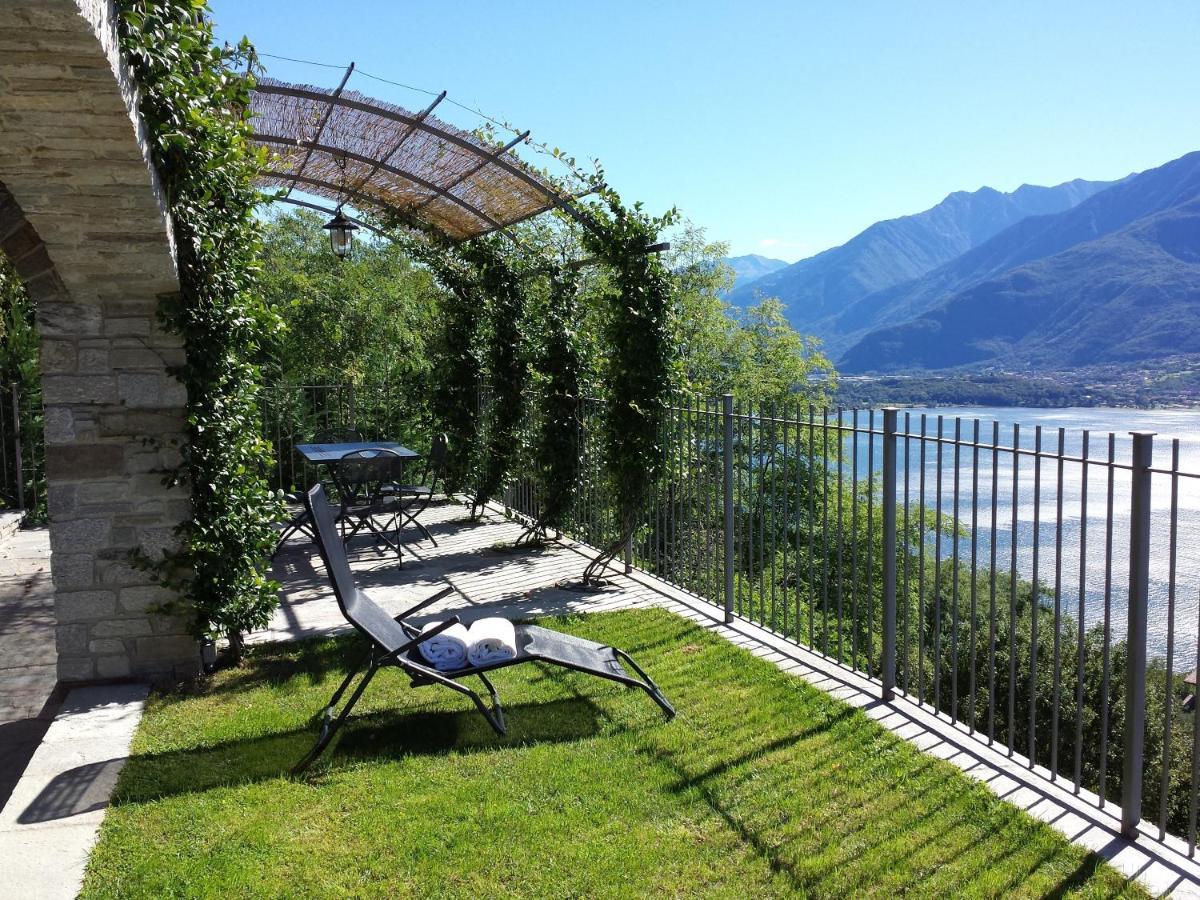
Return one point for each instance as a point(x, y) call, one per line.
point(763, 786)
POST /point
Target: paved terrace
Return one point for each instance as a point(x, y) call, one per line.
point(488, 582)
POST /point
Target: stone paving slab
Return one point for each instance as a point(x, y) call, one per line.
point(488, 582)
point(28, 659)
point(50, 822)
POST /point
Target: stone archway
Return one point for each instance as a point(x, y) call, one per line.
point(82, 218)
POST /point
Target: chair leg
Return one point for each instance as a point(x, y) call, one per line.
point(330, 726)
point(496, 707)
point(411, 519)
point(646, 684)
point(298, 525)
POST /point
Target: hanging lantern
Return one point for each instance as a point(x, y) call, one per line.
point(341, 234)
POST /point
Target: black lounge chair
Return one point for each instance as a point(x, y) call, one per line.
point(395, 642)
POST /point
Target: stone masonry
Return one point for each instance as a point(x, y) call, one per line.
point(83, 220)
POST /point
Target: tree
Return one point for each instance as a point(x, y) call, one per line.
point(363, 319)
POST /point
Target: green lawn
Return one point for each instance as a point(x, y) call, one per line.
point(763, 786)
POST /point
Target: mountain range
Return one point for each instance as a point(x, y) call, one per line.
point(751, 267)
point(1078, 274)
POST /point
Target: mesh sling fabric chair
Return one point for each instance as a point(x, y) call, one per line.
point(301, 522)
point(393, 641)
point(414, 498)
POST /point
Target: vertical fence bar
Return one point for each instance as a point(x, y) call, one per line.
point(1141, 482)
point(1168, 698)
point(18, 463)
point(727, 454)
point(888, 652)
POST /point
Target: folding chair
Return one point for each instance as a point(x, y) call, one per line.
point(393, 641)
point(300, 521)
point(414, 498)
point(362, 477)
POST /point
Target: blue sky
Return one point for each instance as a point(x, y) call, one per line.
point(783, 128)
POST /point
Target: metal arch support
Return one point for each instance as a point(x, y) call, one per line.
point(391, 170)
point(386, 158)
point(321, 97)
point(333, 99)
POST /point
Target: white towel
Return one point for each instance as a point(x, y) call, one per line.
point(491, 641)
point(446, 651)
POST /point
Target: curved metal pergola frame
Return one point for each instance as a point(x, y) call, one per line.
point(381, 158)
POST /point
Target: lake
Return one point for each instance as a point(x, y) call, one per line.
point(1080, 580)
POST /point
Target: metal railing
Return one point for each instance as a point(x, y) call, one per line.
point(1036, 586)
point(292, 414)
point(1025, 584)
point(22, 453)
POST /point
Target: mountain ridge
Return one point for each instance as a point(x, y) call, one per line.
point(818, 289)
point(1114, 280)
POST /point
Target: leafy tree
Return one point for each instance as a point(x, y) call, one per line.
point(365, 319)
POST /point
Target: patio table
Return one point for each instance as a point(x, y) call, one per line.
point(329, 454)
point(324, 454)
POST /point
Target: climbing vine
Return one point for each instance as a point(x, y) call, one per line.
point(558, 446)
point(194, 98)
point(640, 358)
point(506, 365)
point(457, 363)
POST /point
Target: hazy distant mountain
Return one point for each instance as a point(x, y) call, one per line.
point(751, 267)
point(819, 289)
point(1114, 280)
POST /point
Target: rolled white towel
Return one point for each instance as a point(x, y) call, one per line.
point(446, 651)
point(491, 641)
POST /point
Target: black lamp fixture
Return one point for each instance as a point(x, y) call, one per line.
point(341, 234)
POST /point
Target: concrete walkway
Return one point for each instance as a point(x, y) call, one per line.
point(489, 582)
point(49, 824)
point(27, 658)
point(59, 758)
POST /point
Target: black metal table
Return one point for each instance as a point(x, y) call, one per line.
point(328, 454)
point(324, 454)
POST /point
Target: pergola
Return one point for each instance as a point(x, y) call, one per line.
point(384, 160)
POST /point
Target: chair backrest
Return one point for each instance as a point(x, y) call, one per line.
point(438, 451)
point(361, 474)
point(360, 610)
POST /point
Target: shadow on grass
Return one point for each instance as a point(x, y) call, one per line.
point(373, 737)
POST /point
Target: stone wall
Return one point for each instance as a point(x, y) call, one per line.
point(82, 218)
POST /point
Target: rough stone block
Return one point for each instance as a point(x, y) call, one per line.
point(61, 499)
point(145, 598)
point(58, 425)
point(71, 639)
point(58, 357)
point(152, 391)
point(121, 628)
point(59, 319)
point(102, 491)
point(113, 667)
point(122, 574)
point(126, 326)
point(106, 645)
point(170, 624)
point(73, 571)
point(86, 389)
point(85, 606)
point(94, 360)
point(84, 462)
point(143, 423)
point(76, 668)
point(80, 534)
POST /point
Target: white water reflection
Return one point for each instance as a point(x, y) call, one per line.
point(1081, 576)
